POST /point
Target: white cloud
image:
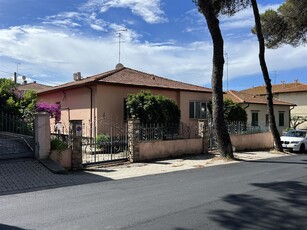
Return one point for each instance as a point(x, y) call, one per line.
point(125, 34)
point(54, 55)
point(149, 10)
point(243, 58)
point(244, 18)
point(46, 52)
point(64, 19)
point(75, 19)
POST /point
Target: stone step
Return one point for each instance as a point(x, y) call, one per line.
point(14, 148)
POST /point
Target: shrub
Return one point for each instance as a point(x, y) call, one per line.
point(151, 108)
point(57, 144)
point(102, 139)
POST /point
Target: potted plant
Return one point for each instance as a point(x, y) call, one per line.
point(60, 152)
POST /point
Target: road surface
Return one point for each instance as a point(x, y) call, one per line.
point(267, 194)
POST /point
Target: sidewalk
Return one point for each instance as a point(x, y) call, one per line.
point(172, 165)
point(27, 174)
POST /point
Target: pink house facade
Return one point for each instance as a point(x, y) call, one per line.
point(103, 95)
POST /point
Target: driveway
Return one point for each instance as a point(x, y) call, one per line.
point(27, 174)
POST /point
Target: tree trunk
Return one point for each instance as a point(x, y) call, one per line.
point(223, 138)
point(266, 78)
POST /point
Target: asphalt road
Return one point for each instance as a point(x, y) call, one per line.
point(268, 194)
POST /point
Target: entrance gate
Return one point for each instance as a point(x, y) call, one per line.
point(16, 137)
point(109, 142)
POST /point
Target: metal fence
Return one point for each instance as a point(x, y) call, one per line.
point(150, 132)
point(236, 127)
point(245, 128)
point(16, 136)
point(16, 124)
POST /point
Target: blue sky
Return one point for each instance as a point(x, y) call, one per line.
point(49, 40)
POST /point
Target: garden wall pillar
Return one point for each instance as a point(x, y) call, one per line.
point(75, 127)
point(133, 139)
point(42, 135)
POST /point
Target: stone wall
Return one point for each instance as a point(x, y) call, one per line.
point(171, 148)
point(250, 142)
point(149, 150)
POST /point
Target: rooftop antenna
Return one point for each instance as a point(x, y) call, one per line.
point(17, 65)
point(119, 32)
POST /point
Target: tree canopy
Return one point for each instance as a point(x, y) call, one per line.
point(7, 96)
point(286, 25)
point(232, 111)
point(228, 7)
point(151, 108)
point(12, 102)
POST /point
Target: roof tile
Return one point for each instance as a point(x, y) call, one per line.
point(285, 87)
point(127, 76)
point(241, 97)
point(33, 86)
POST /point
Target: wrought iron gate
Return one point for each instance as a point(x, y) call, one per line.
point(108, 143)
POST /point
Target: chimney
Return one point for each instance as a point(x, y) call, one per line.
point(24, 80)
point(77, 76)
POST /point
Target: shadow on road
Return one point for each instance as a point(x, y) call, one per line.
point(275, 162)
point(284, 207)
point(163, 161)
point(9, 227)
point(26, 175)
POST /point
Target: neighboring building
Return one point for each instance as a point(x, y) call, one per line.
point(36, 87)
point(103, 95)
point(295, 93)
point(257, 109)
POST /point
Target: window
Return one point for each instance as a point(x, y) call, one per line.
point(198, 109)
point(281, 121)
point(255, 118)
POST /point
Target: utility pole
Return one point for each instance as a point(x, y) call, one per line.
point(15, 77)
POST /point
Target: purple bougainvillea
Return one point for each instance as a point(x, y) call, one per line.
point(53, 109)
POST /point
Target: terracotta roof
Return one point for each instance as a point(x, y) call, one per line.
point(32, 86)
point(130, 77)
point(298, 88)
point(285, 87)
point(240, 97)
